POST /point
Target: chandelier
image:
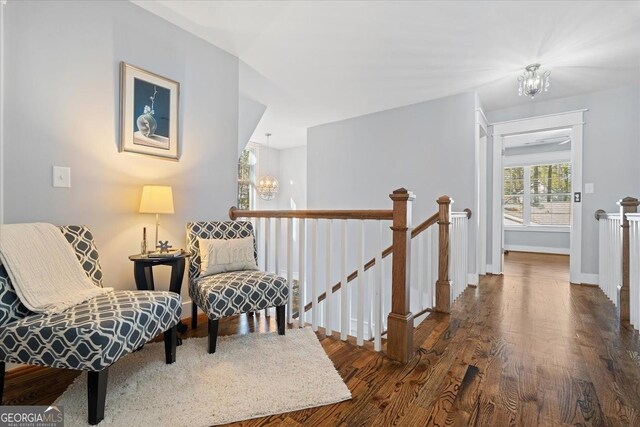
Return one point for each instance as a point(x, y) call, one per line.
point(532, 83)
point(268, 185)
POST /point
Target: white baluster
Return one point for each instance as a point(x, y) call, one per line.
point(328, 302)
point(377, 304)
point(421, 280)
point(452, 255)
point(428, 302)
point(601, 255)
point(276, 253)
point(634, 279)
point(361, 286)
point(345, 303)
point(313, 243)
point(290, 269)
point(632, 287)
point(301, 272)
point(267, 252)
point(267, 243)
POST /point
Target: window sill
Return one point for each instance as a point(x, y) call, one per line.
point(544, 228)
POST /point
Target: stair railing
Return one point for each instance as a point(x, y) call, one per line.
point(361, 309)
point(619, 258)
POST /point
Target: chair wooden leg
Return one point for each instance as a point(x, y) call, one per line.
point(280, 319)
point(170, 341)
point(194, 315)
point(2, 368)
point(97, 393)
point(213, 335)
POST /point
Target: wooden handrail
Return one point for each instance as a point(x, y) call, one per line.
point(371, 214)
point(602, 214)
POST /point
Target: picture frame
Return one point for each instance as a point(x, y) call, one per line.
point(149, 113)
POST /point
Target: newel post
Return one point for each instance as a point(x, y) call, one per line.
point(400, 320)
point(443, 285)
point(627, 205)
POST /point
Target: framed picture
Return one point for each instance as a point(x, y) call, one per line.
point(148, 113)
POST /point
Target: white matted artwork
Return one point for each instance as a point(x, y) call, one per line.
point(148, 113)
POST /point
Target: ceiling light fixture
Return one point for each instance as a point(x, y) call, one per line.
point(532, 83)
point(268, 185)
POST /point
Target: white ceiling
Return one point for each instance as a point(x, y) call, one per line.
point(317, 62)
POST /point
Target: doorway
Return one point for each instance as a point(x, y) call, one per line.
point(537, 187)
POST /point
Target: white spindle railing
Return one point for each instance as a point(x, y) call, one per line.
point(358, 309)
point(610, 254)
point(424, 263)
point(459, 253)
point(424, 272)
point(634, 268)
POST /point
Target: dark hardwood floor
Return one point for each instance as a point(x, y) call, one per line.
point(526, 348)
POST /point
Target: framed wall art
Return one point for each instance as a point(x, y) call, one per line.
point(148, 113)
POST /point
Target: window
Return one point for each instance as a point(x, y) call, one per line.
point(246, 179)
point(537, 195)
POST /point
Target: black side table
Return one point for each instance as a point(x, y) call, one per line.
point(143, 274)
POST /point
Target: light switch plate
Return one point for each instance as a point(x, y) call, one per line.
point(61, 177)
point(589, 188)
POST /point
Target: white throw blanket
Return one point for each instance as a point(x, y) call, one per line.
point(44, 269)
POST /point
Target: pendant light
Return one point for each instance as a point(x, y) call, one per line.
point(268, 185)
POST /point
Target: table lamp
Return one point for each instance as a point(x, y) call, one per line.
point(156, 199)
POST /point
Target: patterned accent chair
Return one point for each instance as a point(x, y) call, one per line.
point(89, 336)
point(236, 292)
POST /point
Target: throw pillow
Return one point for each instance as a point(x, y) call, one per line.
point(223, 255)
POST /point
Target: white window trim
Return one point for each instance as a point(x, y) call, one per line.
point(537, 159)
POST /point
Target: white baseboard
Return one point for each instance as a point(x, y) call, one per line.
point(472, 279)
point(538, 249)
point(589, 278)
point(186, 310)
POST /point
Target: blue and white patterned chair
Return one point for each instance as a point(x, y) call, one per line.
point(236, 292)
point(89, 336)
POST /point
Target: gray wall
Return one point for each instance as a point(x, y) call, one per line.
point(611, 149)
point(427, 148)
point(293, 178)
point(62, 97)
point(537, 241)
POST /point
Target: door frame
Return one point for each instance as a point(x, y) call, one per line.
point(570, 119)
point(480, 216)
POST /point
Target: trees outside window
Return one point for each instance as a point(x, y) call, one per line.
point(537, 195)
point(246, 179)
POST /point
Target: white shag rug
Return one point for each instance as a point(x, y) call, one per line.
point(247, 377)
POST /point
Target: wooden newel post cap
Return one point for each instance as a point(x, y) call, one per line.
point(629, 201)
point(402, 194)
point(232, 212)
point(444, 200)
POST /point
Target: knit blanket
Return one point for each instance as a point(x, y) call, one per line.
point(43, 268)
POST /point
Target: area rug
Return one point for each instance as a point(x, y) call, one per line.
point(249, 376)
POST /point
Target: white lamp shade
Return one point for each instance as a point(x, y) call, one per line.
point(156, 199)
